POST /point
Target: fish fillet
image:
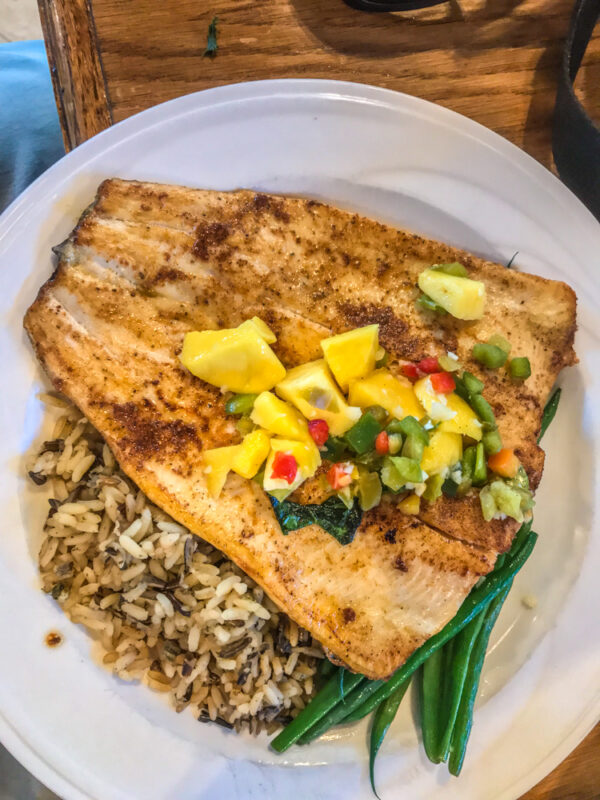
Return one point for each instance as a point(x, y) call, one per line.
point(149, 262)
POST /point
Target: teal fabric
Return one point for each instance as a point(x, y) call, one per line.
point(30, 136)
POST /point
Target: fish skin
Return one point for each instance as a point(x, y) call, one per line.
point(148, 262)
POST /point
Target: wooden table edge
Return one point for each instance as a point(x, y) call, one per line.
point(74, 59)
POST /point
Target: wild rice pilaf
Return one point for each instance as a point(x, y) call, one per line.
point(167, 608)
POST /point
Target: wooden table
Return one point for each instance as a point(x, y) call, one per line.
point(495, 61)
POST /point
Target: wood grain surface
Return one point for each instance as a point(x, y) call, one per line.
point(495, 61)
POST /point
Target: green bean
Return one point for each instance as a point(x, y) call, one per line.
point(240, 403)
point(519, 368)
point(549, 413)
point(327, 698)
point(480, 468)
point(492, 442)
point(464, 718)
point(430, 682)
point(425, 303)
point(490, 355)
point(454, 268)
point(361, 691)
point(499, 341)
point(472, 384)
point(477, 600)
point(482, 408)
point(326, 668)
point(384, 716)
point(458, 666)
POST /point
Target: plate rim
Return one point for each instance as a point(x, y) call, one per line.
point(256, 90)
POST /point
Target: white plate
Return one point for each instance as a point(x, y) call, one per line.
point(413, 164)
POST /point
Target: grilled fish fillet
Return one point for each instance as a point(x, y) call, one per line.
point(149, 262)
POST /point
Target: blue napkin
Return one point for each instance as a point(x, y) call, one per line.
point(30, 136)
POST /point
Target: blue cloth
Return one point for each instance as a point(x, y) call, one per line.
point(30, 136)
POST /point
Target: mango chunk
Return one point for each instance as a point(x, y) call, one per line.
point(252, 452)
point(238, 359)
point(311, 388)
point(260, 327)
point(217, 463)
point(443, 450)
point(381, 388)
point(351, 355)
point(465, 422)
point(464, 298)
point(277, 416)
point(307, 457)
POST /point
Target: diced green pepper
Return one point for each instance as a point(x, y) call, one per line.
point(434, 488)
point(413, 448)
point(488, 504)
point(409, 426)
point(244, 425)
point(335, 449)
point(371, 459)
point(519, 368)
point(394, 443)
point(460, 388)
point(378, 412)
point(449, 364)
point(240, 403)
point(361, 436)
point(390, 476)
point(482, 408)
point(520, 481)
point(492, 442)
point(489, 355)
point(499, 341)
point(452, 269)
point(425, 303)
point(468, 462)
point(381, 362)
point(507, 500)
point(369, 490)
point(408, 469)
point(449, 487)
point(472, 384)
point(480, 468)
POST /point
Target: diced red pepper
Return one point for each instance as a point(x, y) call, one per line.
point(285, 467)
point(411, 372)
point(429, 365)
point(319, 430)
point(338, 477)
point(382, 443)
point(442, 382)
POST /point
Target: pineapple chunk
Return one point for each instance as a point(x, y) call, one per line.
point(443, 450)
point(278, 417)
point(253, 450)
point(238, 359)
point(217, 463)
point(465, 421)
point(351, 355)
point(312, 390)
point(410, 505)
point(381, 388)
point(307, 457)
point(260, 327)
point(464, 298)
